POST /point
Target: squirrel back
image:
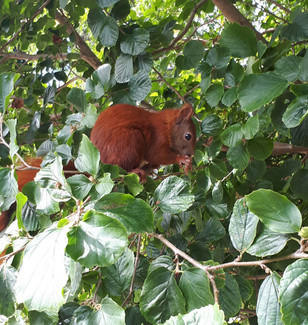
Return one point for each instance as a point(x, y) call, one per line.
point(132, 137)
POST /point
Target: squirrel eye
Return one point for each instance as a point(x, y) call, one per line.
point(187, 136)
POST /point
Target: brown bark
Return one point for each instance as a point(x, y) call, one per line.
point(85, 52)
point(230, 12)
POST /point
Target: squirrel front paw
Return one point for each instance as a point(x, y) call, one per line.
point(184, 161)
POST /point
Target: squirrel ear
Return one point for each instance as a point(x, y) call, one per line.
point(185, 113)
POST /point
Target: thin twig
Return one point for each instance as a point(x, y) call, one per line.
point(25, 24)
point(171, 87)
point(184, 31)
point(131, 288)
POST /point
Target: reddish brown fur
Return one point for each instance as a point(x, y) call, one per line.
point(130, 136)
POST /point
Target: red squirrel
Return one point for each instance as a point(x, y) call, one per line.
point(132, 138)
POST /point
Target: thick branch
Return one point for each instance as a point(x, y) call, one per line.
point(85, 52)
point(233, 15)
point(29, 57)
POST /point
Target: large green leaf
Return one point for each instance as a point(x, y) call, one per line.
point(103, 27)
point(298, 29)
point(173, 196)
point(296, 112)
point(211, 125)
point(232, 135)
point(209, 315)
point(7, 284)
point(97, 240)
point(238, 156)
point(80, 186)
point(299, 184)
point(136, 42)
point(275, 211)
point(193, 53)
point(243, 226)
point(213, 231)
point(260, 148)
point(268, 307)
point(7, 81)
point(293, 293)
point(88, 157)
point(118, 276)
point(135, 214)
point(289, 67)
point(268, 243)
point(195, 287)
point(77, 98)
point(8, 187)
point(268, 84)
point(230, 297)
point(43, 274)
point(124, 68)
point(140, 85)
point(218, 57)
point(109, 313)
point(161, 297)
point(214, 94)
point(11, 124)
point(241, 40)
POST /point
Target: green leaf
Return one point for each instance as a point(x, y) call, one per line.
point(246, 287)
point(298, 30)
point(251, 127)
point(133, 184)
point(104, 185)
point(88, 157)
point(193, 53)
point(211, 125)
point(241, 40)
point(173, 196)
point(140, 85)
point(21, 200)
point(268, 243)
point(8, 187)
point(52, 178)
point(43, 274)
point(268, 307)
point(218, 57)
point(118, 276)
point(98, 240)
point(136, 42)
point(230, 297)
point(7, 285)
point(80, 186)
point(238, 156)
point(293, 293)
point(103, 27)
point(296, 112)
point(289, 67)
point(299, 184)
point(232, 135)
point(229, 97)
point(7, 81)
point(209, 315)
point(214, 94)
point(161, 296)
point(135, 214)
point(195, 287)
point(124, 68)
point(268, 84)
point(260, 148)
point(234, 73)
point(78, 99)
point(11, 124)
point(275, 211)
point(109, 313)
point(243, 226)
point(106, 3)
point(213, 231)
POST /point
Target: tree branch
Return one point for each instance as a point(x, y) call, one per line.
point(25, 24)
point(86, 53)
point(233, 15)
point(184, 31)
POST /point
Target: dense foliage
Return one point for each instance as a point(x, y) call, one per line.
point(226, 243)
